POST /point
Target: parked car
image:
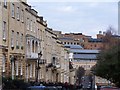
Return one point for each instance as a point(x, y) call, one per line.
point(109, 88)
point(36, 88)
point(44, 88)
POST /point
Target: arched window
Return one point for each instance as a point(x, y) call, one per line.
point(39, 48)
point(33, 46)
point(36, 47)
point(28, 46)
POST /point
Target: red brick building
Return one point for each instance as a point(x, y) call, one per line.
point(87, 42)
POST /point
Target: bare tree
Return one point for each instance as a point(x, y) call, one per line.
point(109, 40)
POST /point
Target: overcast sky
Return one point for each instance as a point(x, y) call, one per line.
point(77, 16)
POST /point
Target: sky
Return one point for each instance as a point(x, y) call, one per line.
point(87, 17)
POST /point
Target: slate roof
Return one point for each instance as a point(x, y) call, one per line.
point(95, 40)
point(65, 38)
point(74, 46)
point(84, 51)
point(85, 56)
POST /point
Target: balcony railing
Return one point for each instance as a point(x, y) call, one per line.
point(51, 65)
point(32, 55)
point(42, 61)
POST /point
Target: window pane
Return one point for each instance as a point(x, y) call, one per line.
point(27, 23)
point(31, 25)
point(3, 63)
point(16, 67)
point(13, 8)
point(4, 30)
point(21, 70)
point(18, 14)
point(17, 38)
point(21, 40)
point(12, 38)
point(31, 70)
point(5, 2)
point(22, 16)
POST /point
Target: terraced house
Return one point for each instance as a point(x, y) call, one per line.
point(23, 34)
point(13, 38)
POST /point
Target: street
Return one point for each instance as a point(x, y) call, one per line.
point(86, 82)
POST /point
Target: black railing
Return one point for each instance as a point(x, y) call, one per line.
point(42, 61)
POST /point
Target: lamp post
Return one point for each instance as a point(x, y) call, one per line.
point(39, 58)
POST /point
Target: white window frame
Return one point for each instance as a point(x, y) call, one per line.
point(13, 71)
point(17, 68)
point(21, 39)
point(21, 69)
point(28, 24)
point(22, 16)
point(13, 10)
point(31, 25)
point(5, 3)
point(17, 39)
point(3, 63)
point(34, 70)
point(18, 13)
point(4, 30)
point(31, 70)
point(34, 27)
point(12, 38)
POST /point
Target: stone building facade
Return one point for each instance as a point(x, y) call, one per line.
point(23, 35)
point(57, 58)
